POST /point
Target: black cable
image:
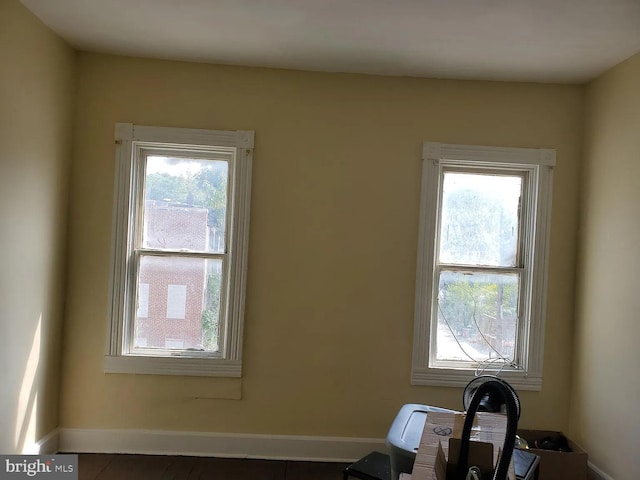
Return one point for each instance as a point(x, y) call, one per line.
point(511, 402)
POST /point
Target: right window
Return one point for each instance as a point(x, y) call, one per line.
point(482, 258)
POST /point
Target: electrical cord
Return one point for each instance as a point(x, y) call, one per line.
point(454, 335)
point(481, 365)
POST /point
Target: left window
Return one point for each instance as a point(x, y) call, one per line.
point(179, 255)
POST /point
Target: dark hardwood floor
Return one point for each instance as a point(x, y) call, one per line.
point(160, 467)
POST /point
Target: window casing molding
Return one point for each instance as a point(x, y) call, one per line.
point(538, 165)
point(130, 141)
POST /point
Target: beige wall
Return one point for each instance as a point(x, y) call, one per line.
point(604, 403)
point(36, 90)
point(334, 227)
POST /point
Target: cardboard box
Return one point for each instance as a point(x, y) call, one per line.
point(437, 454)
point(557, 465)
point(480, 455)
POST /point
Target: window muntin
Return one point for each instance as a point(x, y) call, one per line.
point(181, 216)
point(499, 272)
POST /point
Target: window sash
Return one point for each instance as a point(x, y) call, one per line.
point(141, 153)
point(434, 362)
point(129, 347)
point(139, 169)
point(501, 170)
point(521, 254)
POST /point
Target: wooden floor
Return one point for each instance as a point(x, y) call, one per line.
point(159, 467)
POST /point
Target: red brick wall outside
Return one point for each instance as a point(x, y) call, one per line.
point(175, 227)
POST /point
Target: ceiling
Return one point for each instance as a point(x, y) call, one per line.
point(566, 41)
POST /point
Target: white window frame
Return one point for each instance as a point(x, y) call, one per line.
point(130, 139)
point(538, 163)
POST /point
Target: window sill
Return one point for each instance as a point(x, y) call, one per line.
point(202, 367)
point(442, 377)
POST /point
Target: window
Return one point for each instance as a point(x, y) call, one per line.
point(173, 343)
point(180, 235)
point(177, 299)
point(143, 300)
point(482, 260)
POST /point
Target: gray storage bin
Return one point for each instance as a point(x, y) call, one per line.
point(404, 436)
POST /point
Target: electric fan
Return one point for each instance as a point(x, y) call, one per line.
point(491, 394)
point(493, 400)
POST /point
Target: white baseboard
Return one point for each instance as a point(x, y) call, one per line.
point(46, 445)
point(231, 445)
point(597, 473)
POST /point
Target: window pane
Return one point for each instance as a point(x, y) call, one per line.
point(183, 303)
point(143, 300)
point(479, 219)
point(176, 301)
point(173, 343)
point(477, 316)
point(185, 204)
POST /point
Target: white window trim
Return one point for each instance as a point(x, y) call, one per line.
point(229, 362)
point(540, 163)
